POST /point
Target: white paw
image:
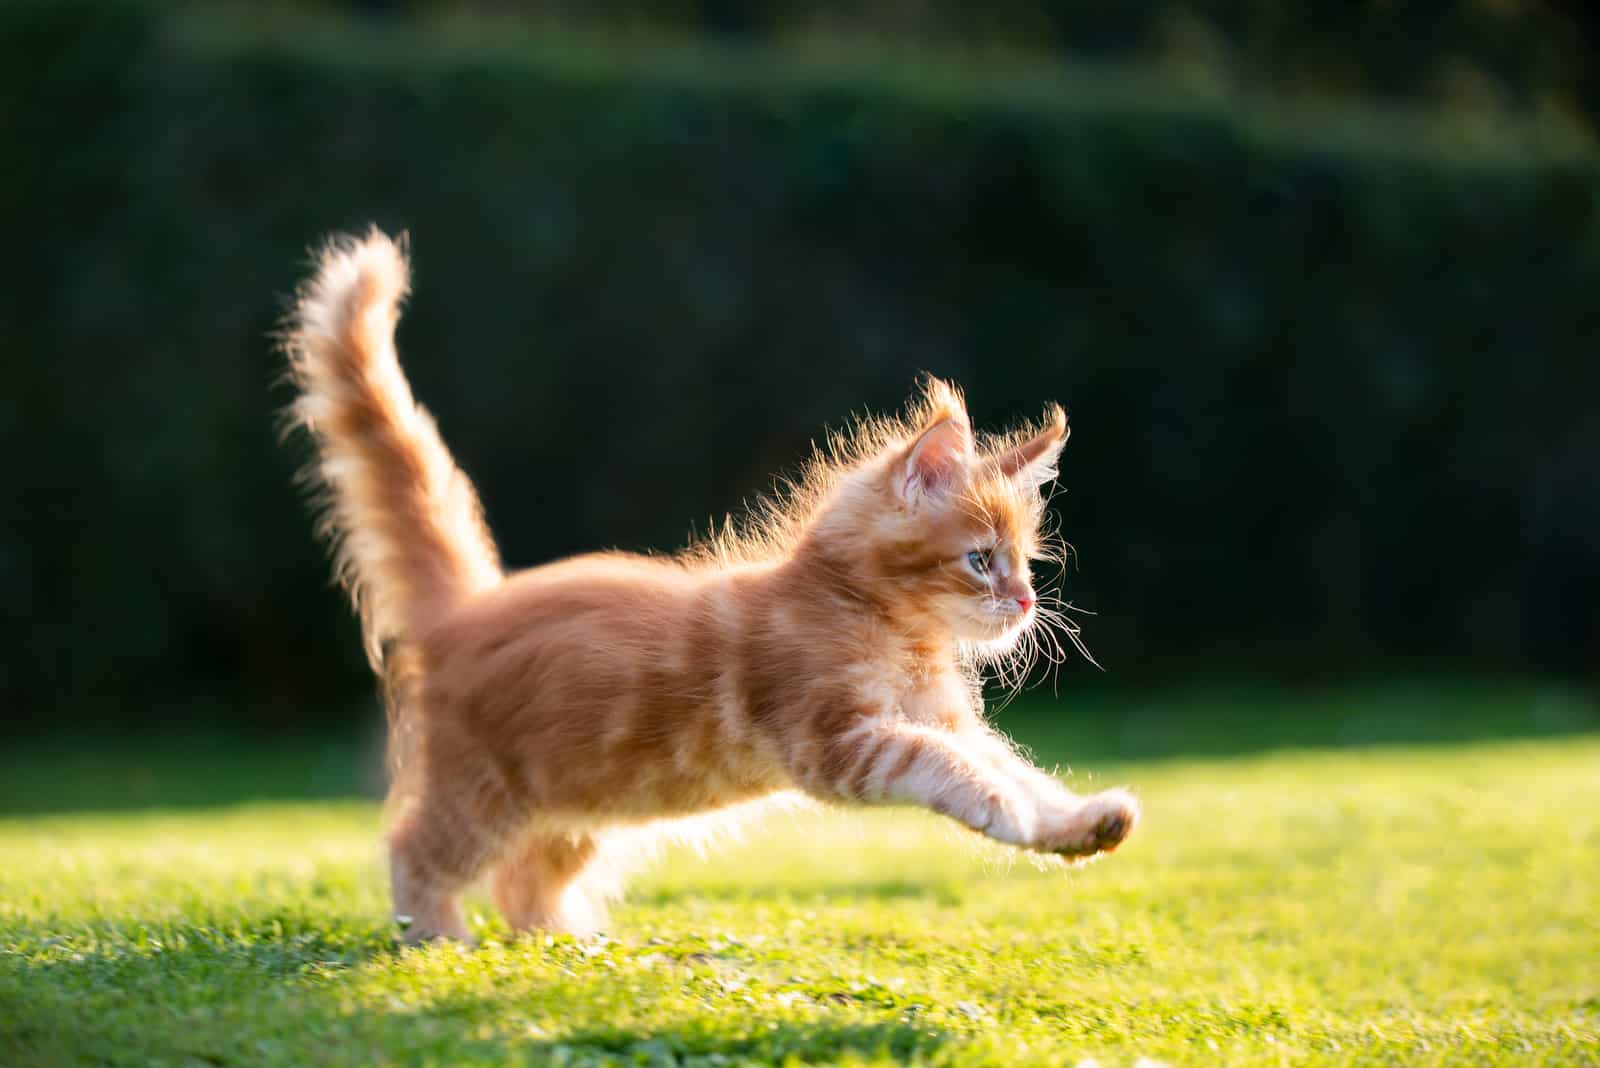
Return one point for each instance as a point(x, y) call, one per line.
point(1093, 825)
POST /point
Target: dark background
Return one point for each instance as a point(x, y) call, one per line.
point(1318, 283)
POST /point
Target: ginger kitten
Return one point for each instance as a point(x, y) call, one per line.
point(831, 648)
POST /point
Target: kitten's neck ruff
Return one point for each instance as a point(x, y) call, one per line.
point(826, 585)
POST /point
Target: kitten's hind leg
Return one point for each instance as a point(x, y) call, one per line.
point(543, 884)
point(434, 853)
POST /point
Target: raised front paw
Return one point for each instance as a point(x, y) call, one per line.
point(1093, 825)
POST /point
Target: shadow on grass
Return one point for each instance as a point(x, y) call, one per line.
point(189, 995)
point(764, 1042)
point(820, 896)
point(165, 993)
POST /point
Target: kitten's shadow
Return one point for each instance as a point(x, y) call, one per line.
point(818, 895)
point(771, 1041)
point(213, 987)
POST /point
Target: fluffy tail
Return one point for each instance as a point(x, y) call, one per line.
point(405, 523)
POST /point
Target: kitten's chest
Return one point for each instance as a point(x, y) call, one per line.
point(943, 700)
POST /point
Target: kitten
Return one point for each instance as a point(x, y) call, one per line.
point(832, 647)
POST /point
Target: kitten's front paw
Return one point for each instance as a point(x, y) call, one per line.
point(1096, 825)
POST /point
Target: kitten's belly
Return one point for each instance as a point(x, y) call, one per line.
point(609, 688)
point(678, 760)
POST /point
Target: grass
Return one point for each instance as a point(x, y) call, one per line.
point(1389, 875)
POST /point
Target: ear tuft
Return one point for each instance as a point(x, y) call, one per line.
point(1033, 462)
point(940, 400)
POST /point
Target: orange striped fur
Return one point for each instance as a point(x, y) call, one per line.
point(830, 644)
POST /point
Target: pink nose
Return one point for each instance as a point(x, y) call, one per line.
point(1024, 603)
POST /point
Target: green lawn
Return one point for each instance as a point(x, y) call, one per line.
point(1386, 875)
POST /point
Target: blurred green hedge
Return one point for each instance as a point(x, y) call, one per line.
point(1516, 55)
point(1332, 376)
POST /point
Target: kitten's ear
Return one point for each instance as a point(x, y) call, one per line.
point(932, 463)
point(1033, 463)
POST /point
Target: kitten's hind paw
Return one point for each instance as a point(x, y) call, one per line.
point(450, 929)
point(1098, 825)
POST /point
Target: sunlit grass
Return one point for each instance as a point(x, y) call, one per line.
point(1407, 904)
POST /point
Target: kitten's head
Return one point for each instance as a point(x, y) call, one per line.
point(945, 525)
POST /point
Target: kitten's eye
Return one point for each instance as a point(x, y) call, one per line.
point(978, 560)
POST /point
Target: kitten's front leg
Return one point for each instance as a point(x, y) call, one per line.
point(888, 761)
point(891, 761)
point(1068, 824)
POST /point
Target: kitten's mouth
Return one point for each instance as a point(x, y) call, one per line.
point(999, 623)
point(1007, 614)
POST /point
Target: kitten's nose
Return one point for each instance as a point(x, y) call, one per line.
point(1025, 602)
